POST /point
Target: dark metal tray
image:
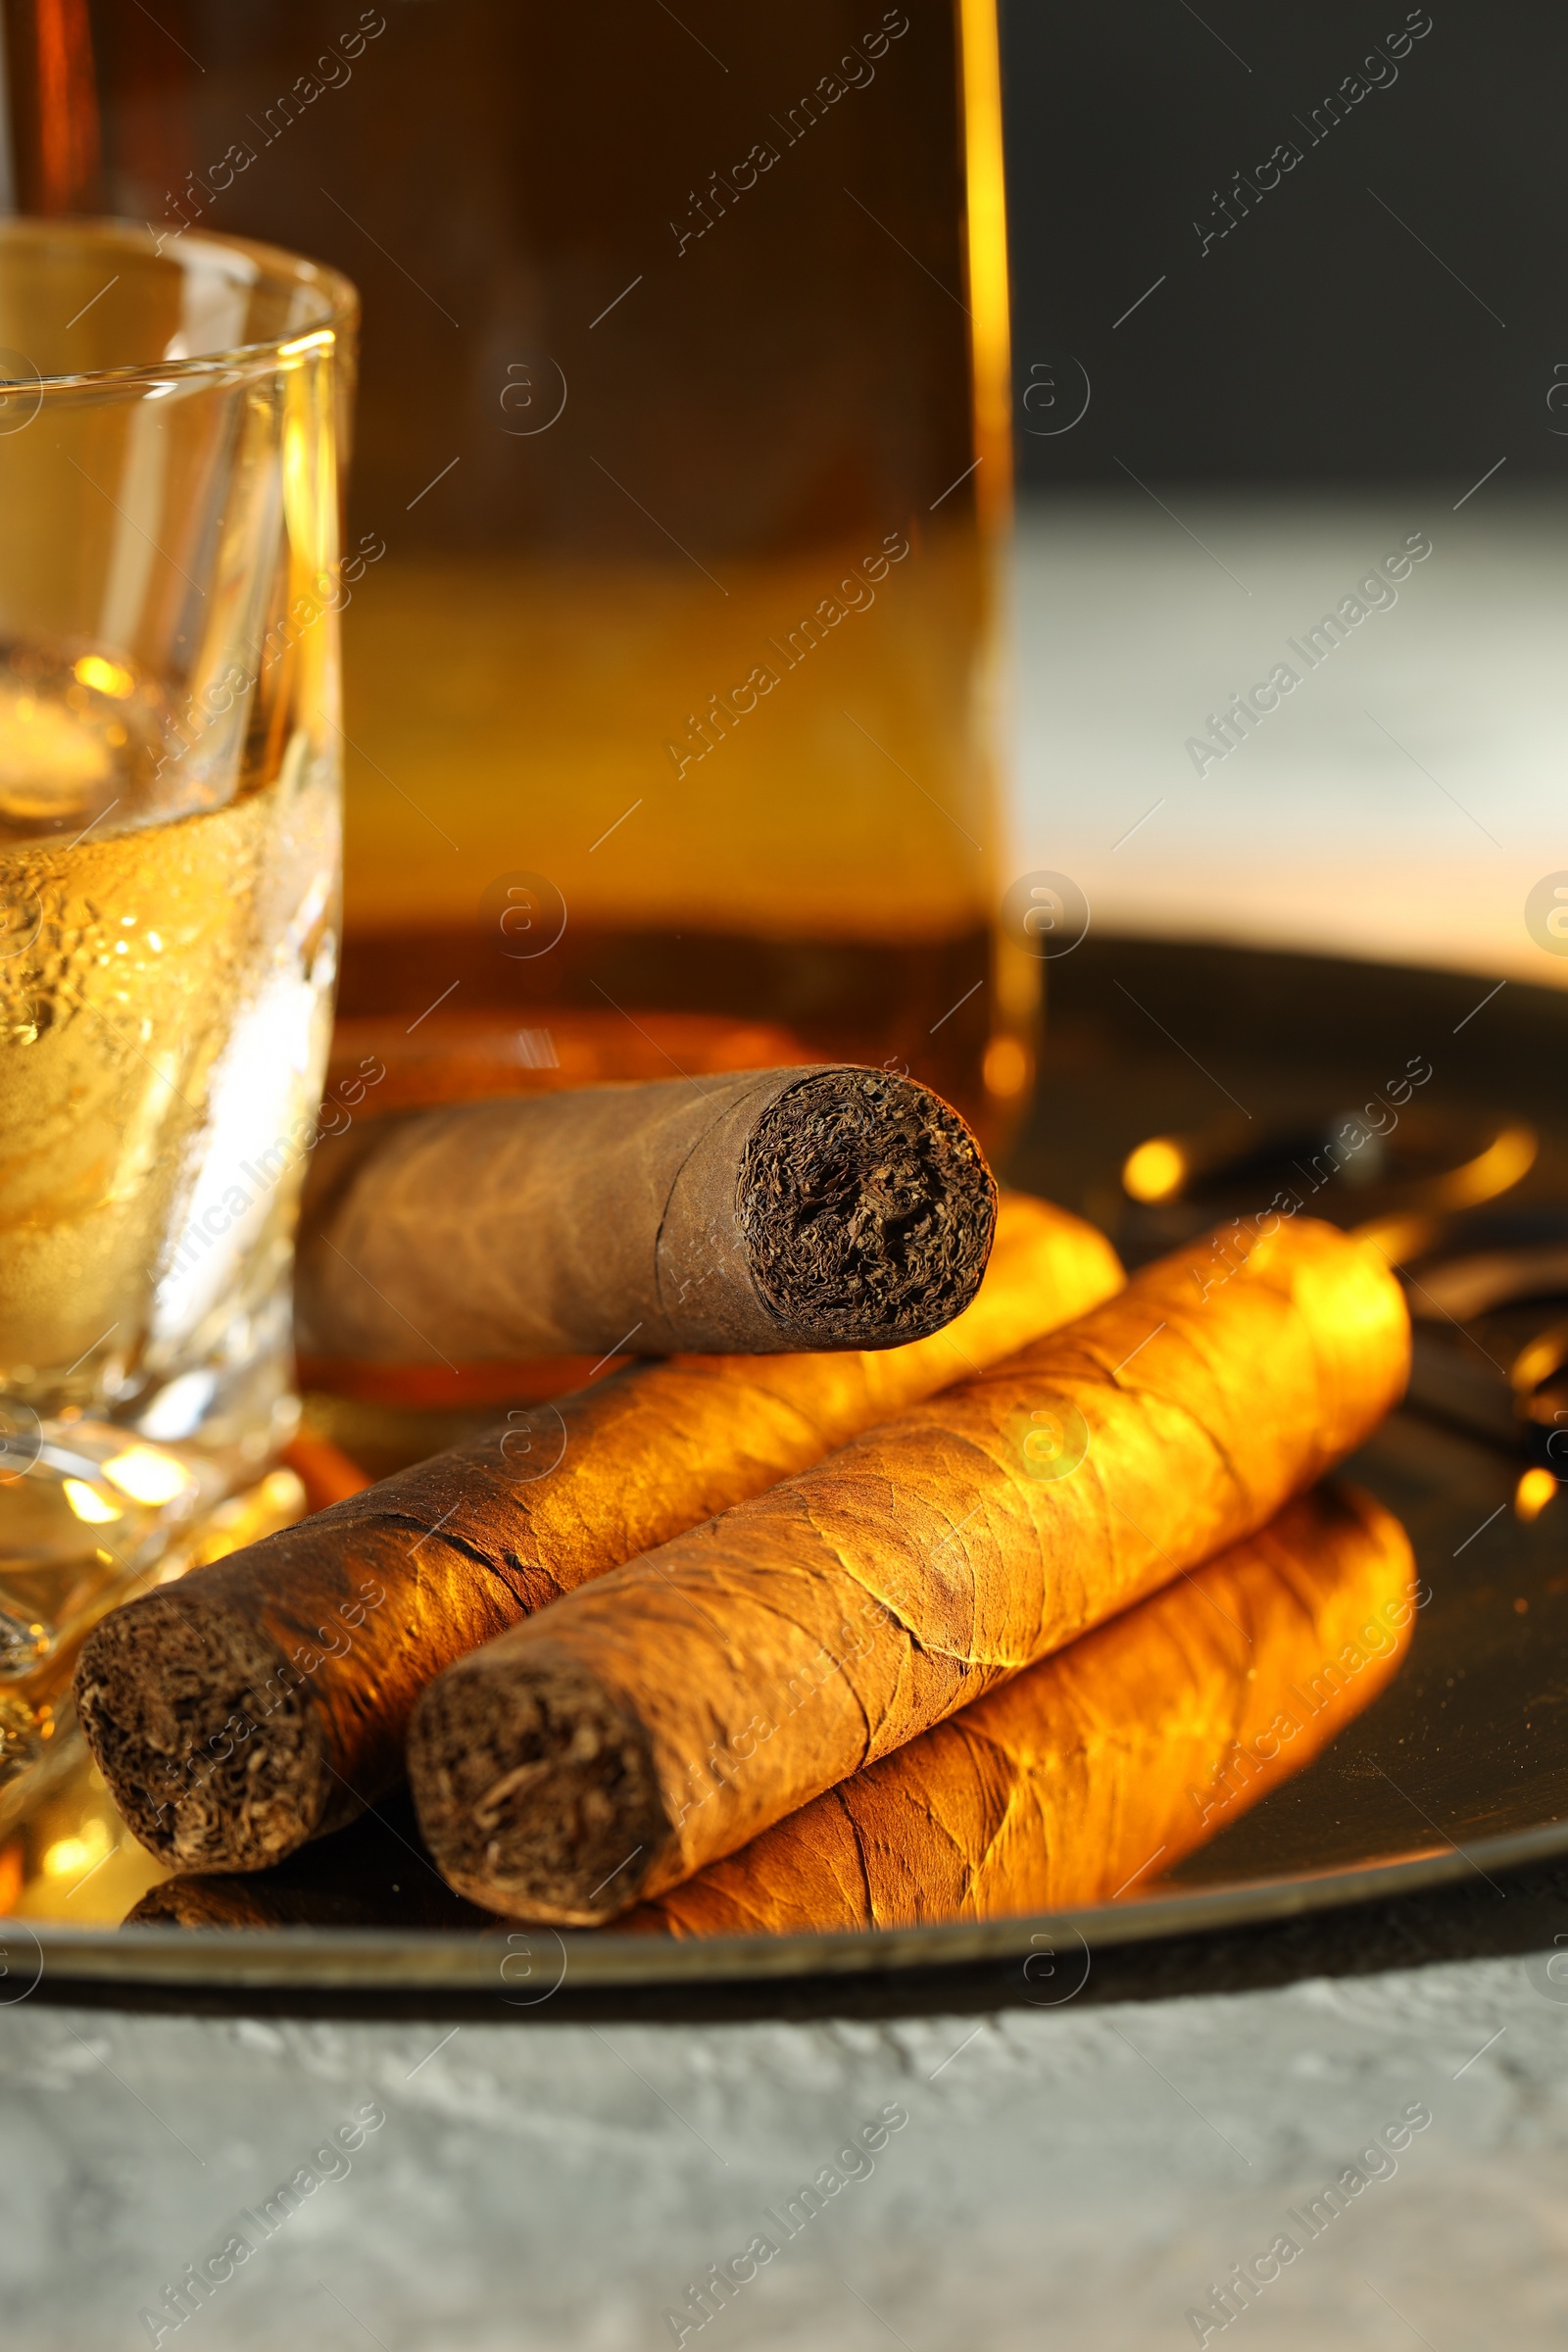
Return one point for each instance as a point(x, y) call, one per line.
point(1459, 1766)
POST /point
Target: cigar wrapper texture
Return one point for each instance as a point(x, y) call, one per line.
point(265, 1700)
point(776, 1211)
point(668, 1714)
point(1088, 1777)
point(1097, 1770)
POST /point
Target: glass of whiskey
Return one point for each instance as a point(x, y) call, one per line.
point(171, 422)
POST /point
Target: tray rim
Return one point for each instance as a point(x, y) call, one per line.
point(377, 1960)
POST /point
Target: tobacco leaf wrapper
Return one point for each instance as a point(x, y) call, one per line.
point(671, 1711)
point(264, 1700)
point(1093, 1774)
point(1086, 1778)
point(776, 1211)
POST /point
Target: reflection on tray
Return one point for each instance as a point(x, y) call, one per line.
point(1398, 1172)
point(1082, 1780)
point(1099, 1769)
point(375, 1874)
point(1485, 1268)
point(59, 1829)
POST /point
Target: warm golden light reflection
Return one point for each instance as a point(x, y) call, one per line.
point(986, 228)
point(148, 1476)
point(1546, 1355)
point(1089, 1776)
point(1155, 1171)
point(1007, 1066)
point(1536, 1488)
point(1161, 1169)
point(1510, 1154)
point(88, 1504)
point(107, 677)
point(53, 759)
point(1402, 1235)
point(320, 339)
point(70, 1855)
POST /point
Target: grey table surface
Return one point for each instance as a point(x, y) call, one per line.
point(1081, 2165)
point(1085, 2157)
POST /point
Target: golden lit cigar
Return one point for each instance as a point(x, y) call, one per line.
point(666, 1714)
point(1104, 1765)
point(773, 1210)
point(261, 1701)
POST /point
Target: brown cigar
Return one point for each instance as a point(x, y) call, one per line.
point(1094, 1773)
point(670, 1712)
point(264, 1700)
point(775, 1210)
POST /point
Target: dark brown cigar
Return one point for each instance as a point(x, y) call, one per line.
point(776, 1211)
point(262, 1700)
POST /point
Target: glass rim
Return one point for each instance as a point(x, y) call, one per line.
point(339, 297)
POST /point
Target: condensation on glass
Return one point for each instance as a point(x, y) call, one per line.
point(170, 783)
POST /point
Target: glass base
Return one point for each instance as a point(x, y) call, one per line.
point(98, 1518)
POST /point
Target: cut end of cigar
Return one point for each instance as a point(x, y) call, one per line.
point(212, 1750)
point(536, 1791)
point(867, 1210)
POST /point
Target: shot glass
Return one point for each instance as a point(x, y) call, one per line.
point(170, 427)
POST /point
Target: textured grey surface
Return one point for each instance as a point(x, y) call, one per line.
point(1073, 2176)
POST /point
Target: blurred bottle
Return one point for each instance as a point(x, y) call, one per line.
point(683, 466)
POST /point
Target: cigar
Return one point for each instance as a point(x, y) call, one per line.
point(674, 1709)
point(264, 1700)
point(372, 1875)
point(1094, 1773)
point(771, 1211)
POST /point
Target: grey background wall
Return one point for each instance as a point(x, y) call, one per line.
point(1392, 309)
